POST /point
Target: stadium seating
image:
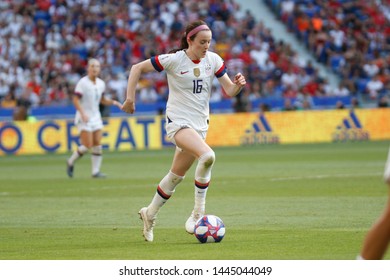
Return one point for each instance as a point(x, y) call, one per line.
point(351, 33)
point(49, 42)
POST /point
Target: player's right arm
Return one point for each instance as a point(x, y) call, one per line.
point(77, 105)
point(135, 74)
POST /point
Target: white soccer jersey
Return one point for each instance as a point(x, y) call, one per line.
point(190, 85)
point(90, 94)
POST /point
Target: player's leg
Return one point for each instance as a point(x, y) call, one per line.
point(190, 141)
point(182, 161)
point(378, 238)
point(85, 145)
point(97, 154)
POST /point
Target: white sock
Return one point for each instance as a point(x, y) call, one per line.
point(165, 190)
point(202, 180)
point(96, 159)
point(200, 197)
point(81, 150)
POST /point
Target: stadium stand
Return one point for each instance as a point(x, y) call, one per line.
point(44, 46)
point(350, 37)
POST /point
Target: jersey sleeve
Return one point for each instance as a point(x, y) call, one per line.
point(220, 68)
point(161, 62)
point(78, 91)
point(103, 87)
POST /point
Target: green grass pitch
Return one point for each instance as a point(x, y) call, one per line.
point(288, 202)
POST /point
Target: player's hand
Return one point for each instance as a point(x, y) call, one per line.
point(128, 106)
point(239, 80)
point(117, 104)
point(84, 118)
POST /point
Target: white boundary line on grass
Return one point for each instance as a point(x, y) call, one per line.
point(326, 176)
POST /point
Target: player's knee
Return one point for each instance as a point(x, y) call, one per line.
point(82, 149)
point(387, 180)
point(97, 149)
point(386, 175)
point(207, 159)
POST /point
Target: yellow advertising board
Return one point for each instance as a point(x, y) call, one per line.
point(147, 132)
point(60, 136)
point(299, 127)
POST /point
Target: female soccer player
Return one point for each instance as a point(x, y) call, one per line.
point(87, 97)
point(190, 71)
point(378, 237)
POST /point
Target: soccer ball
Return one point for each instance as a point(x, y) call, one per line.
point(209, 229)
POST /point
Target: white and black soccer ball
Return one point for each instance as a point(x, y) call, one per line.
point(209, 229)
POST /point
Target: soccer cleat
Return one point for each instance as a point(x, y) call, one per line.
point(99, 175)
point(69, 170)
point(191, 221)
point(148, 224)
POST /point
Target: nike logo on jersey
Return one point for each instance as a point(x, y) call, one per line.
point(184, 72)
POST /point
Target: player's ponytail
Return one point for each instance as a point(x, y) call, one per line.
point(189, 32)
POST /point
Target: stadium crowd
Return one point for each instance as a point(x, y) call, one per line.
point(45, 44)
point(350, 37)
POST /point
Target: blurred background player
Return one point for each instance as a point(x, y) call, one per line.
point(87, 97)
point(190, 71)
point(378, 237)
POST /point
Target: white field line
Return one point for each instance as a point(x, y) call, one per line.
point(326, 176)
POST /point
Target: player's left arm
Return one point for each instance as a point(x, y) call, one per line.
point(110, 102)
point(232, 88)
